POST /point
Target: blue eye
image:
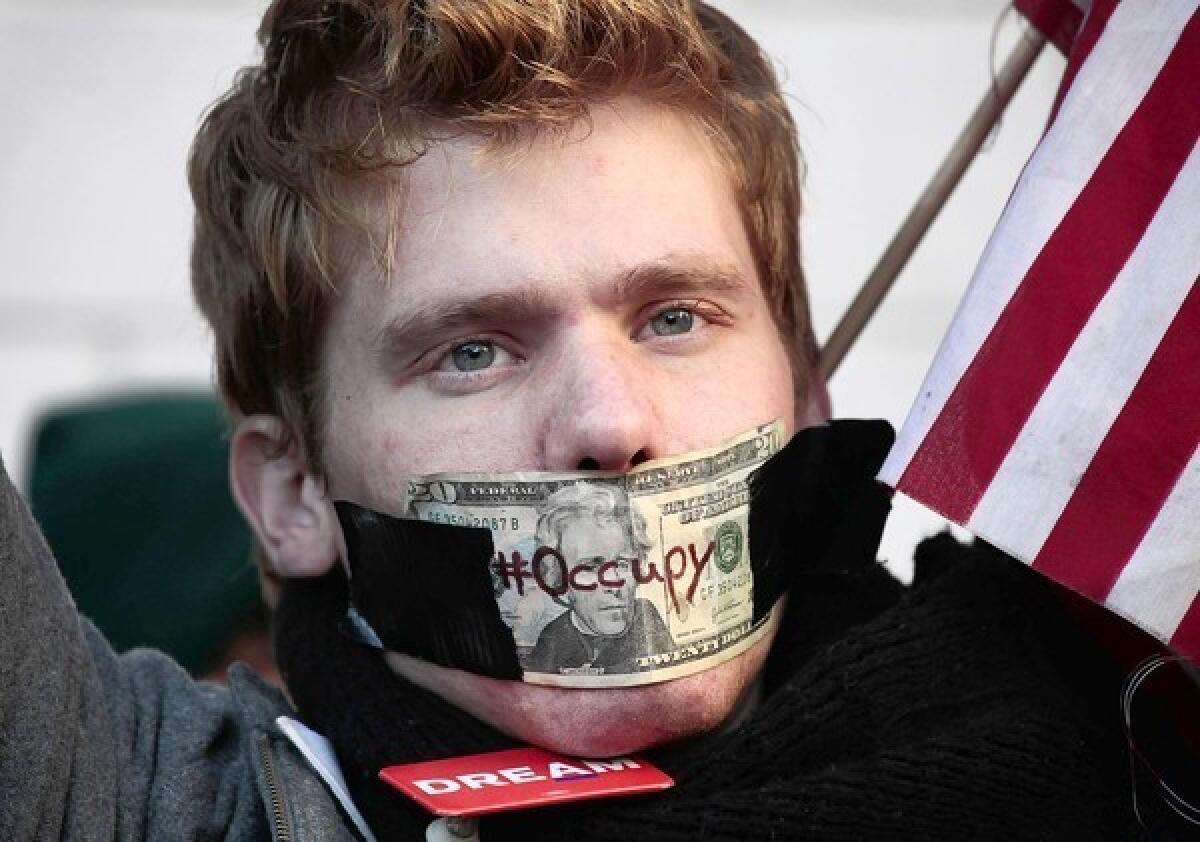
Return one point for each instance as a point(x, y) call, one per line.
point(475, 355)
point(672, 322)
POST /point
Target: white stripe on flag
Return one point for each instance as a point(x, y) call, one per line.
point(1162, 577)
point(1038, 475)
point(1107, 90)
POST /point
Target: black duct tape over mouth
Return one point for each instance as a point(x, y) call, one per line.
point(424, 589)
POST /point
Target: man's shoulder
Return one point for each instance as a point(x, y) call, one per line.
point(1001, 603)
point(258, 702)
point(297, 797)
point(978, 572)
point(977, 584)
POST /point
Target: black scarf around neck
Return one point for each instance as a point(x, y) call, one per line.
point(860, 682)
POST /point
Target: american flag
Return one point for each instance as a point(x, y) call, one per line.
point(1060, 419)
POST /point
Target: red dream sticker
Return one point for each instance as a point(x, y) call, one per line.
point(519, 778)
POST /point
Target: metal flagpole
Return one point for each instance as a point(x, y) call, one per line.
point(921, 217)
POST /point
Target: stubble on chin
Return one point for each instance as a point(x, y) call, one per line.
point(599, 723)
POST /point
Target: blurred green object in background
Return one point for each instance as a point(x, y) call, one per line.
point(132, 493)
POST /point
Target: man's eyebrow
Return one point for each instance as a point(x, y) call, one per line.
point(439, 318)
point(682, 277)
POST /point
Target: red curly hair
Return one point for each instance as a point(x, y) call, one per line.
point(349, 89)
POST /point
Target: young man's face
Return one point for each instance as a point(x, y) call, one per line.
point(603, 609)
point(582, 303)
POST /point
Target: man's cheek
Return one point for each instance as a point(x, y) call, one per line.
point(450, 435)
point(699, 412)
point(367, 461)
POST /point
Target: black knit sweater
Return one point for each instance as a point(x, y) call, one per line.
point(967, 706)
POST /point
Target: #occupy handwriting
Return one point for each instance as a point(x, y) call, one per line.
point(513, 570)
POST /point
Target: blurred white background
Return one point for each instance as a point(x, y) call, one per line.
point(101, 100)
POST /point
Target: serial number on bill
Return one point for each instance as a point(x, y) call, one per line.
point(496, 524)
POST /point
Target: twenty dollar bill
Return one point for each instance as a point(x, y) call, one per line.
point(616, 579)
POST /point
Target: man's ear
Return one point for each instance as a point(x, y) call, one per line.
point(283, 500)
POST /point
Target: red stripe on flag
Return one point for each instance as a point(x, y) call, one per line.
point(1134, 469)
point(1093, 27)
point(966, 443)
point(1058, 20)
point(1187, 637)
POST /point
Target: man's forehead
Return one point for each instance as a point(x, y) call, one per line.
point(636, 205)
point(457, 161)
point(462, 199)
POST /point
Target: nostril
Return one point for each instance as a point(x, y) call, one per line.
point(590, 464)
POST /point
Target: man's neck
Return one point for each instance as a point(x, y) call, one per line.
point(745, 707)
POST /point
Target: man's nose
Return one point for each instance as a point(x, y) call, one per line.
point(605, 416)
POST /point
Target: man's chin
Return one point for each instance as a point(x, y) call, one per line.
point(597, 723)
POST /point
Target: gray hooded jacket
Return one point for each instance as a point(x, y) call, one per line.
point(95, 745)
